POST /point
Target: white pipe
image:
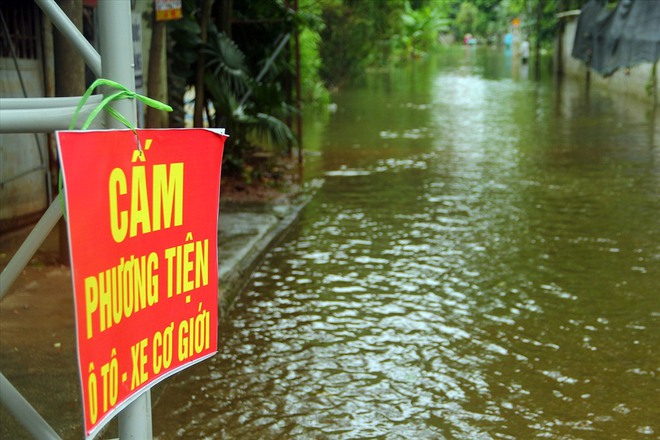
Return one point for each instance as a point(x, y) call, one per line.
point(116, 42)
point(71, 32)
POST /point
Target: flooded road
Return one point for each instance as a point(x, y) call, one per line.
point(483, 261)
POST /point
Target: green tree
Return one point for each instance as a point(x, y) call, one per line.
point(420, 30)
point(228, 93)
point(467, 19)
point(538, 19)
point(356, 35)
point(314, 92)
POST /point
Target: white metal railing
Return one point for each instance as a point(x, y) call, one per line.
point(35, 115)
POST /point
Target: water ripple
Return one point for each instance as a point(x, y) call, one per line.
point(493, 274)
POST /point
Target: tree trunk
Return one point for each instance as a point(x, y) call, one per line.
point(198, 116)
point(223, 13)
point(537, 48)
point(559, 55)
point(156, 81)
point(69, 81)
point(176, 88)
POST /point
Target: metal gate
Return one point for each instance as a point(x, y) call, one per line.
point(39, 115)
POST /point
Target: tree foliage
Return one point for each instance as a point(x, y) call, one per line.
point(252, 108)
point(250, 92)
point(467, 19)
point(314, 91)
point(357, 34)
point(361, 34)
point(420, 30)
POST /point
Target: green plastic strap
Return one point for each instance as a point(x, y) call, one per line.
point(124, 93)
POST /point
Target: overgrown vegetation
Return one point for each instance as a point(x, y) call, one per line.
point(356, 35)
point(251, 106)
point(226, 48)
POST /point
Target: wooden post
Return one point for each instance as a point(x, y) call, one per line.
point(69, 81)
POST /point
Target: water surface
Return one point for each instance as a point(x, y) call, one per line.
point(483, 261)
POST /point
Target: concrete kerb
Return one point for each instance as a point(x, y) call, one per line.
point(244, 237)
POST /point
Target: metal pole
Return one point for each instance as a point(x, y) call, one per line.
point(116, 47)
point(24, 412)
point(47, 103)
point(69, 30)
point(43, 115)
point(31, 244)
point(116, 43)
point(269, 62)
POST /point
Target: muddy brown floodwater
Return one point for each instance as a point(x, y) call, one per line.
point(483, 261)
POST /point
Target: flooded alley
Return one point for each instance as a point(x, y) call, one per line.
point(482, 261)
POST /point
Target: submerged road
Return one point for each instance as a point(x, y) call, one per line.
point(483, 261)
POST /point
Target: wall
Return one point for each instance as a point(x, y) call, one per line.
point(24, 198)
point(632, 81)
point(23, 157)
